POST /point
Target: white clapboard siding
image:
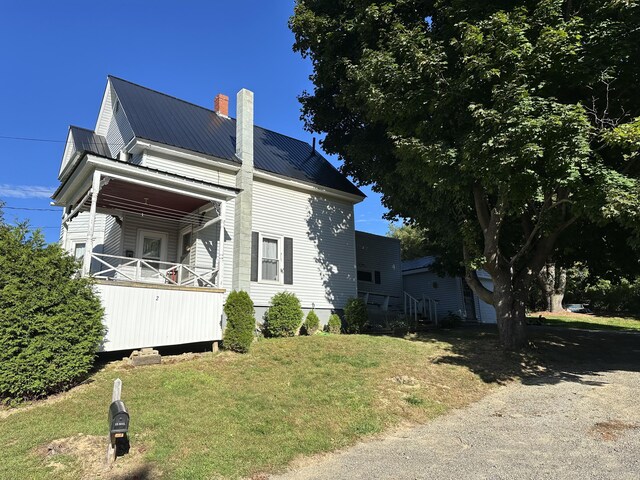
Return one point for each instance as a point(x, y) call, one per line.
point(112, 237)
point(77, 233)
point(323, 244)
point(189, 168)
point(104, 118)
point(227, 252)
point(69, 150)
point(138, 317)
point(382, 254)
point(133, 223)
point(119, 132)
point(486, 312)
point(445, 290)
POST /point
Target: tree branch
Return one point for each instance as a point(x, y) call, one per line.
point(482, 207)
point(471, 277)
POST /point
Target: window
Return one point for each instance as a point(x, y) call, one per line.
point(185, 245)
point(365, 276)
point(378, 279)
point(78, 251)
point(270, 259)
point(117, 107)
point(152, 246)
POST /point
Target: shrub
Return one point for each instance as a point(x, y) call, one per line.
point(355, 315)
point(311, 323)
point(50, 320)
point(241, 322)
point(284, 316)
point(335, 324)
point(451, 320)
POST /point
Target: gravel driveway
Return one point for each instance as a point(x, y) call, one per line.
point(585, 425)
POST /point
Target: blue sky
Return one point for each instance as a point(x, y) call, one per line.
point(56, 56)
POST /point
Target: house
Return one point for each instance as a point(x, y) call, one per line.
point(379, 271)
point(441, 295)
point(171, 205)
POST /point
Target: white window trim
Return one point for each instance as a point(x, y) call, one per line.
point(280, 241)
point(72, 239)
point(183, 231)
point(152, 233)
point(372, 272)
point(74, 244)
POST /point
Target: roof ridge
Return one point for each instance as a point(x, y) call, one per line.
point(166, 95)
point(85, 129)
point(227, 117)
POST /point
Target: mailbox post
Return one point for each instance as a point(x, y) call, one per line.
point(118, 422)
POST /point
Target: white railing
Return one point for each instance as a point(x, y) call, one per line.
point(411, 307)
point(366, 297)
point(151, 271)
point(430, 309)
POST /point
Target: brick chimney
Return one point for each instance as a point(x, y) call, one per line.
point(221, 104)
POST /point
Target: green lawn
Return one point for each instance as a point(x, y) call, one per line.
point(227, 415)
point(594, 322)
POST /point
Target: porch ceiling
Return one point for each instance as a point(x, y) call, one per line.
point(132, 197)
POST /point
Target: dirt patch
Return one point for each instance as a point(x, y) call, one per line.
point(89, 454)
point(611, 430)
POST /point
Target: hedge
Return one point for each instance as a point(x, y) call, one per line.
point(50, 320)
point(311, 323)
point(284, 316)
point(241, 322)
point(355, 315)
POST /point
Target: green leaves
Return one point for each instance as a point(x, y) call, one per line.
point(531, 102)
point(50, 321)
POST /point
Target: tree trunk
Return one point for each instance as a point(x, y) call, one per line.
point(556, 302)
point(553, 283)
point(558, 292)
point(510, 313)
point(509, 300)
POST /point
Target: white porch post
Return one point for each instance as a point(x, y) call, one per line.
point(65, 231)
point(88, 246)
point(220, 261)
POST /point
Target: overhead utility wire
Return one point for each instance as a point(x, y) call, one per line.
point(32, 209)
point(49, 140)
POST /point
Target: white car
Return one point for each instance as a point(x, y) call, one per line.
point(578, 308)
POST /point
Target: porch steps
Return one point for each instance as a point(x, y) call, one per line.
point(146, 356)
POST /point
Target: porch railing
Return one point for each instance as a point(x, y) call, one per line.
point(151, 271)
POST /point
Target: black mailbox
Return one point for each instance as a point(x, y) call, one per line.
point(118, 421)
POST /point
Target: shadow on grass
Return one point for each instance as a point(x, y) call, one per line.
point(144, 472)
point(554, 355)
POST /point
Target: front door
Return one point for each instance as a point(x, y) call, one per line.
point(152, 248)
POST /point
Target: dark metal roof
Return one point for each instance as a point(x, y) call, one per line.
point(165, 119)
point(88, 141)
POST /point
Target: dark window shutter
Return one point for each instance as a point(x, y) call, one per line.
point(288, 261)
point(377, 273)
point(255, 240)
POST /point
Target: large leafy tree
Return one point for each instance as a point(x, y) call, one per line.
point(413, 240)
point(496, 124)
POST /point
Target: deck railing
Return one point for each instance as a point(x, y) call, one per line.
point(151, 271)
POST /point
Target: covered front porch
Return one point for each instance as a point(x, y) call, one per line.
point(140, 225)
point(155, 244)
